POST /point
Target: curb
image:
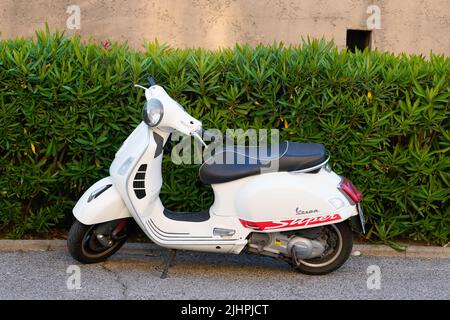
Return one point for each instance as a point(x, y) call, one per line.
point(61, 245)
point(412, 251)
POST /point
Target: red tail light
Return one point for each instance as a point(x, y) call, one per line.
point(349, 189)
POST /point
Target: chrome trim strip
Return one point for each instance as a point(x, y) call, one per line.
point(164, 232)
point(164, 240)
point(155, 228)
point(320, 165)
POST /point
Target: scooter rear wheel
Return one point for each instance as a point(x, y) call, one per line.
point(339, 239)
point(84, 246)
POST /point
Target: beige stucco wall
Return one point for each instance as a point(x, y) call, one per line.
point(412, 26)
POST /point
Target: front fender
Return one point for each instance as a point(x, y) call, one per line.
point(100, 203)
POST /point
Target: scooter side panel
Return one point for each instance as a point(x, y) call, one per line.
point(283, 200)
point(106, 206)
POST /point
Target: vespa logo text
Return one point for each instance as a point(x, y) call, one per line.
point(298, 211)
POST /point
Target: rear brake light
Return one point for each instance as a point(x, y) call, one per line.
point(350, 190)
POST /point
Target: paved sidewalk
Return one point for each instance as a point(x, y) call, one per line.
point(134, 273)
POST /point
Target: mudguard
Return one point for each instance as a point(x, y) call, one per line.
point(100, 203)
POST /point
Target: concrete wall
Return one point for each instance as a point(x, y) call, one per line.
point(412, 26)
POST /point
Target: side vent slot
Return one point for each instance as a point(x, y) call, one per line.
point(139, 182)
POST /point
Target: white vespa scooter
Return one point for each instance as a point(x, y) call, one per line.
point(297, 212)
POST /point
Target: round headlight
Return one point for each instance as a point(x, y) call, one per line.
point(153, 112)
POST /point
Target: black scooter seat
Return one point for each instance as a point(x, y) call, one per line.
point(228, 164)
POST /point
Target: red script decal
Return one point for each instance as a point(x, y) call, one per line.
point(293, 223)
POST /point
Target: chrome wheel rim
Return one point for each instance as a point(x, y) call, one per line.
point(329, 257)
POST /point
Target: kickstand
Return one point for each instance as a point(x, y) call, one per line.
point(169, 263)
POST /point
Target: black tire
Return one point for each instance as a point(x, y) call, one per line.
point(335, 258)
point(84, 247)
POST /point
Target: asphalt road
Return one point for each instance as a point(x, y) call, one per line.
point(43, 275)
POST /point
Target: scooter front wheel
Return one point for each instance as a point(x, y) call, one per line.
point(339, 243)
point(87, 245)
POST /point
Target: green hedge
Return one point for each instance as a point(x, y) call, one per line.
point(65, 108)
